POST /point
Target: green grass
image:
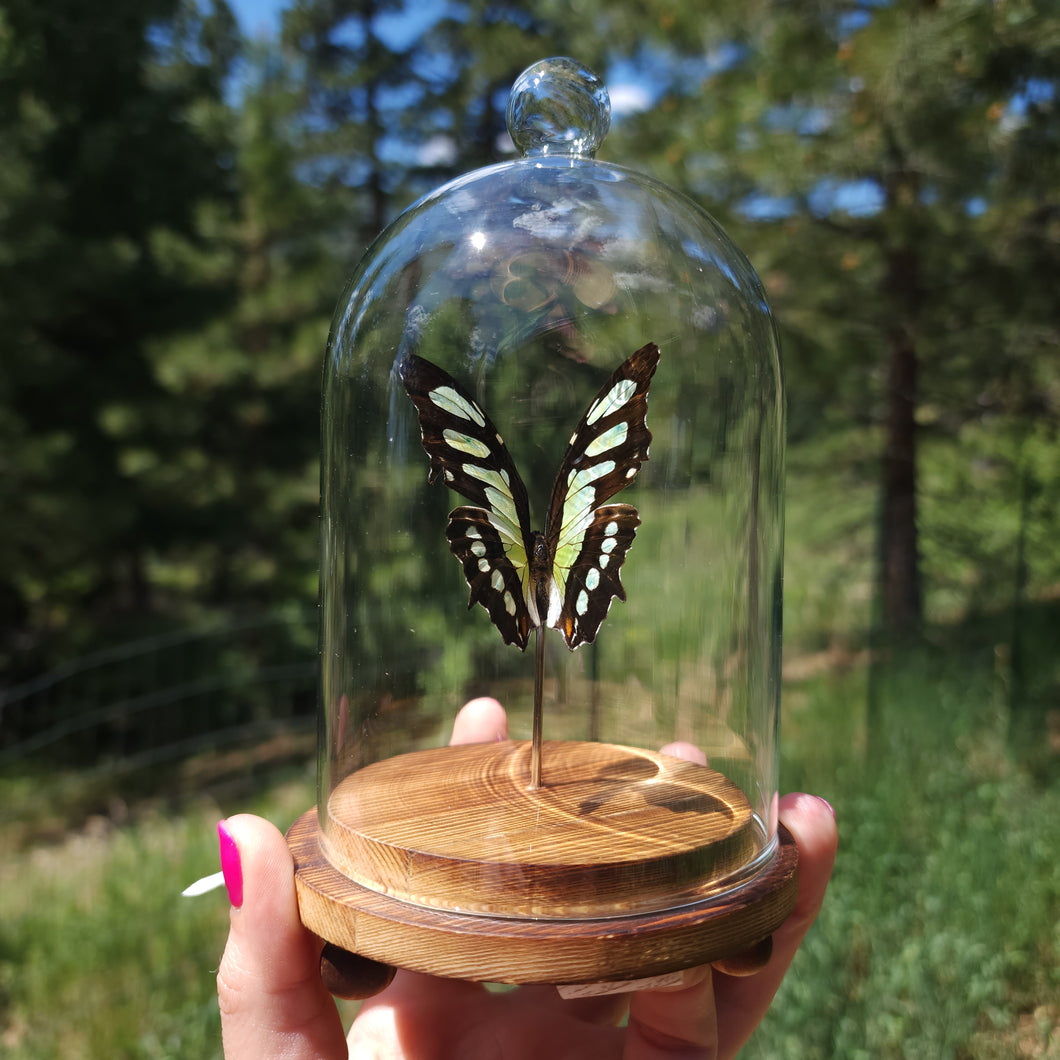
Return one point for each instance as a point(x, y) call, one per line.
point(940, 934)
point(939, 937)
point(100, 956)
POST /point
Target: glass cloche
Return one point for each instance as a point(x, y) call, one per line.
point(553, 447)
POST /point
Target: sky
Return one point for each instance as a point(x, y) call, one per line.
point(258, 17)
point(398, 29)
point(629, 93)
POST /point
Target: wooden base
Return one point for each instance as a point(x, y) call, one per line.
point(471, 875)
point(612, 830)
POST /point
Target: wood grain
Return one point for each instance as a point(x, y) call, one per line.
point(525, 950)
point(612, 830)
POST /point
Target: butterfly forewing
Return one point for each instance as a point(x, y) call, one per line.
point(465, 449)
point(611, 440)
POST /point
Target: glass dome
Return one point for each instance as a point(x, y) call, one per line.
point(615, 558)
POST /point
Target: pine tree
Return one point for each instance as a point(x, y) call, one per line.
point(892, 171)
point(111, 147)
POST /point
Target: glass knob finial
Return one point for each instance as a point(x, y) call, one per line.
point(558, 107)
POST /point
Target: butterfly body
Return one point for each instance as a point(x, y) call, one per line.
point(566, 575)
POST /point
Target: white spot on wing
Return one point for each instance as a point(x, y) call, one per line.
point(612, 401)
point(510, 533)
point(483, 565)
point(581, 478)
point(611, 529)
point(582, 603)
point(577, 516)
point(608, 440)
point(509, 602)
point(465, 444)
point(447, 399)
point(555, 606)
point(605, 559)
point(497, 479)
point(497, 581)
point(531, 607)
point(507, 519)
point(592, 579)
point(608, 546)
point(478, 547)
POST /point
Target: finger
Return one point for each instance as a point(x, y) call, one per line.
point(675, 1022)
point(438, 1019)
point(747, 962)
point(743, 1002)
point(351, 976)
point(480, 721)
point(272, 1000)
point(688, 751)
point(417, 1016)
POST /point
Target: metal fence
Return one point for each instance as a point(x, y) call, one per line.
point(164, 697)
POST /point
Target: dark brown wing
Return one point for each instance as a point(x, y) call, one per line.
point(494, 580)
point(592, 581)
point(466, 451)
point(587, 540)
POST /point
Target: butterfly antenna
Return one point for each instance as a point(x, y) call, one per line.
point(539, 682)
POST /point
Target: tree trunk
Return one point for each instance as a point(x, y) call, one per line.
point(902, 606)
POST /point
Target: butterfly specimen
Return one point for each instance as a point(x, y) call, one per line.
point(566, 575)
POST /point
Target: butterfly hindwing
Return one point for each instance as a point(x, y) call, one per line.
point(493, 579)
point(593, 579)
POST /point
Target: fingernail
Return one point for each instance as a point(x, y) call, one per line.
point(230, 865)
point(831, 809)
point(502, 735)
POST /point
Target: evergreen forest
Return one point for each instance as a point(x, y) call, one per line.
point(182, 202)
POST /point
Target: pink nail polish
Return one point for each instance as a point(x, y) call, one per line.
point(230, 865)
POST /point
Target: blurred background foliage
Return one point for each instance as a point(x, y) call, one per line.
point(180, 205)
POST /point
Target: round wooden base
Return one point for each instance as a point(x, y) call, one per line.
point(562, 884)
point(611, 830)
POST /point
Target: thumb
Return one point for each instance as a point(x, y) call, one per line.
point(272, 1000)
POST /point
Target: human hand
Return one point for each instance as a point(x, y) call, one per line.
point(273, 1003)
